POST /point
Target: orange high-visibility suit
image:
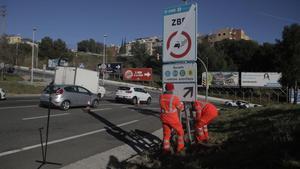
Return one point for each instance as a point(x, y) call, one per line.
point(170, 108)
point(205, 113)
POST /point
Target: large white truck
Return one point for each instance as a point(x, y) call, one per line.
point(81, 77)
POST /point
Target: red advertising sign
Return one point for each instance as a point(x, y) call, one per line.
point(137, 74)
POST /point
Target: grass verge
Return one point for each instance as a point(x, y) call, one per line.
point(260, 138)
point(13, 85)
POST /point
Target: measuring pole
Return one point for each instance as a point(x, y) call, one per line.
point(187, 121)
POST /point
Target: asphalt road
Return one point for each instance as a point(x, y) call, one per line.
point(74, 134)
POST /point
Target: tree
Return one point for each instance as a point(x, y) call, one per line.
point(83, 46)
point(59, 47)
point(90, 46)
point(155, 61)
point(123, 47)
point(214, 60)
point(266, 59)
point(46, 48)
point(241, 52)
point(289, 48)
point(140, 55)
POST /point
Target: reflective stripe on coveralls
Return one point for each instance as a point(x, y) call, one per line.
point(166, 145)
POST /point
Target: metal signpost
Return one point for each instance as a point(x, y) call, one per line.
point(180, 53)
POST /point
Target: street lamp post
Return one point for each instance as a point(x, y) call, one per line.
point(17, 48)
point(32, 56)
point(104, 57)
point(206, 92)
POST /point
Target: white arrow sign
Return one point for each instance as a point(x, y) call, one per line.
point(185, 91)
point(147, 74)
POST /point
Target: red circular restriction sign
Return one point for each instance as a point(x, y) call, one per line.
point(189, 44)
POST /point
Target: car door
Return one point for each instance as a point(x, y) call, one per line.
point(141, 94)
point(145, 95)
point(138, 93)
point(72, 95)
point(84, 96)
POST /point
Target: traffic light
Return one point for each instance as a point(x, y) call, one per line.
point(203, 82)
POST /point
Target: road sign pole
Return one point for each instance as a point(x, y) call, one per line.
point(206, 92)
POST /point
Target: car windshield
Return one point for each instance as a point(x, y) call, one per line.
point(124, 88)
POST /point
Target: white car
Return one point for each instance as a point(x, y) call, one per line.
point(2, 94)
point(238, 103)
point(133, 94)
point(101, 92)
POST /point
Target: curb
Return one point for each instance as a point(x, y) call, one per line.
point(103, 160)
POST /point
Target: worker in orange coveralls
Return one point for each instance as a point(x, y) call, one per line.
point(171, 107)
point(205, 113)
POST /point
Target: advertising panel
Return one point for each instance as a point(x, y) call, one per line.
point(53, 63)
point(221, 79)
point(292, 96)
point(137, 74)
point(260, 79)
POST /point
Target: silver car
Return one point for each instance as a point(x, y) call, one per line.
point(66, 96)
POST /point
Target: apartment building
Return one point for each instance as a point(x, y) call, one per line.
point(227, 33)
point(151, 43)
point(13, 39)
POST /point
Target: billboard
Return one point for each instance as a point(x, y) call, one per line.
point(260, 79)
point(53, 63)
point(137, 74)
point(292, 96)
point(113, 67)
point(221, 79)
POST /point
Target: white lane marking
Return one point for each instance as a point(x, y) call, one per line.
point(17, 107)
point(62, 140)
point(101, 109)
point(40, 117)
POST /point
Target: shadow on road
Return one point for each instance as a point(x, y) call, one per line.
point(146, 111)
point(138, 140)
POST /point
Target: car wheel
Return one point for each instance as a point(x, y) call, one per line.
point(95, 103)
point(134, 101)
point(149, 100)
point(65, 105)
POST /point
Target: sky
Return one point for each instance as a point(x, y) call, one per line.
point(76, 20)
